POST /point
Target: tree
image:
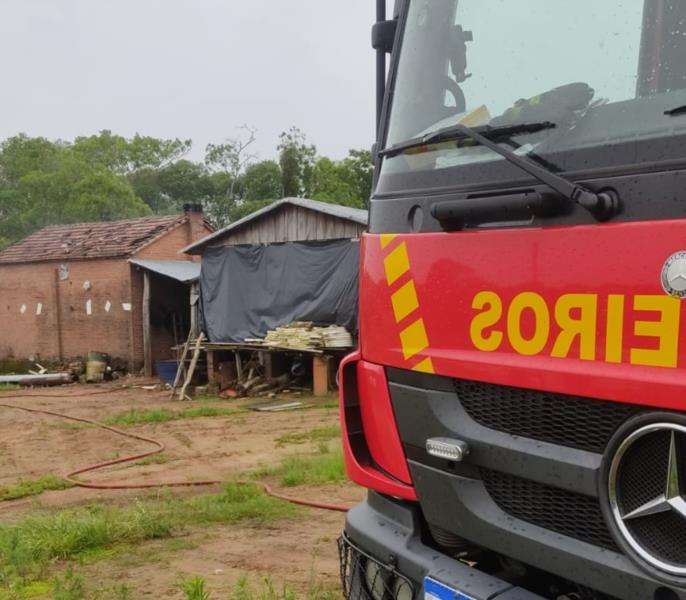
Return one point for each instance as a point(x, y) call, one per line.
point(360, 173)
point(126, 156)
point(231, 158)
point(296, 158)
point(331, 182)
point(21, 155)
point(262, 181)
point(43, 183)
point(346, 182)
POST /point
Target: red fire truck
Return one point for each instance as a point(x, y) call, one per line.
point(516, 407)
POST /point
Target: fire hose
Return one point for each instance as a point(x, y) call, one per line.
point(159, 447)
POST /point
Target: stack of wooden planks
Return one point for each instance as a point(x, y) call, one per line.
point(303, 335)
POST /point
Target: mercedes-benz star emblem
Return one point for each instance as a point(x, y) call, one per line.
point(670, 500)
point(674, 275)
point(672, 497)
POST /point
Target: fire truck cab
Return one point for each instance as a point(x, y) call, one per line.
point(517, 404)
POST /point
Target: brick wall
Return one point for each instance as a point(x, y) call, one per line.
point(94, 309)
point(168, 246)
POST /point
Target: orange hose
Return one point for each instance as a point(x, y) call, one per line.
point(70, 477)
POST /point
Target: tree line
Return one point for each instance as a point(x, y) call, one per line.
point(105, 177)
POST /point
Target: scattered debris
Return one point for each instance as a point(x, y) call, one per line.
point(47, 379)
point(275, 406)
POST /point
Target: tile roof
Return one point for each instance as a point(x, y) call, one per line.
point(89, 240)
point(356, 215)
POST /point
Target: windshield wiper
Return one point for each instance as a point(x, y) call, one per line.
point(602, 206)
point(675, 112)
point(455, 133)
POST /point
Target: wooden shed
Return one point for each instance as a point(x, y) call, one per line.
point(288, 220)
point(239, 305)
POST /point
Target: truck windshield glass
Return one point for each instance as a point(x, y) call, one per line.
point(600, 71)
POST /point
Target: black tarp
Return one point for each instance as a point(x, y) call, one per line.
point(247, 290)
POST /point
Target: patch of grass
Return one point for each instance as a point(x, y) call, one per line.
point(122, 592)
point(29, 546)
point(8, 387)
point(141, 417)
point(193, 588)
point(33, 487)
point(68, 587)
point(319, 434)
point(315, 469)
point(243, 589)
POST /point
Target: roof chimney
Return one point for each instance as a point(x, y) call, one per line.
point(196, 222)
point(192, 208)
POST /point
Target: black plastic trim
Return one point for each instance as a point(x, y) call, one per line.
point(384, 527)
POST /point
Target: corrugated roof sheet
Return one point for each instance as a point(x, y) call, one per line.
point(89, 240)
point(180, 270)
point(357, 215)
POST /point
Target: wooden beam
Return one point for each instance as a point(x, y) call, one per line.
point(147, 342)
point(191, 369)
point(181, 366)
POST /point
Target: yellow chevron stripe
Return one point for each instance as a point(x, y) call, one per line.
point(404, 301)
point(396, 264)
point(413, 339)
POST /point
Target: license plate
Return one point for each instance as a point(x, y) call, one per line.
point(435, 590)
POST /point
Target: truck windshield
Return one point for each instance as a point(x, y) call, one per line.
point(601, 72)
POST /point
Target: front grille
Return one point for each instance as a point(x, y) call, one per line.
point(567, 513)
point(572, 421)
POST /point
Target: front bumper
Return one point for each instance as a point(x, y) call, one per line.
point(389, 532)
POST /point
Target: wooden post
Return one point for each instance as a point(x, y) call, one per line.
point(58, 315)
point(239, 365)
point(320, 375)
point(147, 342)
point(211, 368)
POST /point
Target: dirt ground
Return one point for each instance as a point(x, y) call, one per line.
point(224, 447)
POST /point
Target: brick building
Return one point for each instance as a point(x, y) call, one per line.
point(70, 289)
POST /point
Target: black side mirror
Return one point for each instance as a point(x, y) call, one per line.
point(383, 36)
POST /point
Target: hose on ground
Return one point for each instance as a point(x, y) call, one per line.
point(159, 447)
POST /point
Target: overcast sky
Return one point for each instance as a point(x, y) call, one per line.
point(190, 69)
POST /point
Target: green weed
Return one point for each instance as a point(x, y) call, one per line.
point(33, 487)
point(8, 387)
point(141, 417)
point(193, 588)
point(316, 469)
point(122, 592)
point(68, 587)
point(243, 590)
point(319, 434)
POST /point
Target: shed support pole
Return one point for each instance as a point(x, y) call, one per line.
point(58, 315)
point(147, 342)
